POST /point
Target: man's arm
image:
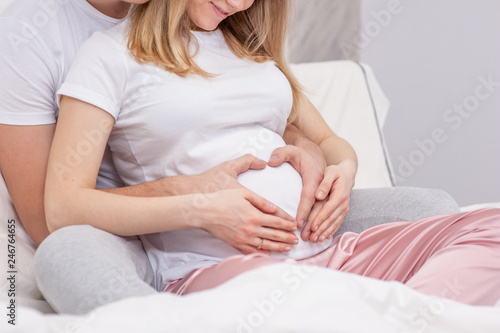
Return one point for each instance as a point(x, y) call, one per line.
point(224, 176)
point(220, 177)
point(293, 136)
point(24, 152)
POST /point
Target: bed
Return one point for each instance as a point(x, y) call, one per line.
point(280, 298)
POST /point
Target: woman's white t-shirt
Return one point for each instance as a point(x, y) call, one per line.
point(167, 125)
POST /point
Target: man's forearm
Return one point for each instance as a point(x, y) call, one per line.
point(293, 136)
point(171, 186)
point(220, 177)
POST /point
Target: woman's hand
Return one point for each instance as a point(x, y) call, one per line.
point(241, 218)
point(333, 203)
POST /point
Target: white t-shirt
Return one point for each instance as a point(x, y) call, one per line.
point(167, 125)
point(38, 41)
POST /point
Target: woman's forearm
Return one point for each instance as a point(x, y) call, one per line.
point(338, 151)
point(117, 214)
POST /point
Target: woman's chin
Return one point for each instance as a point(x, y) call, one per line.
point(207, 26)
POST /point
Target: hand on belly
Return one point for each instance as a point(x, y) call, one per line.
point(282, 186)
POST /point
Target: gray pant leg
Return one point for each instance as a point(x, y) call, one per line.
point(371, 207)
point(79, 268)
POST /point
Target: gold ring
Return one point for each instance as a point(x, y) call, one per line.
point(260, 244)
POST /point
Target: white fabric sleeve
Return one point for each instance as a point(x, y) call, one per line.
point(27, 81)
point(98, 74)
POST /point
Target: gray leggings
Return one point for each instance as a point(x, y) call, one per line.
point(79, 268)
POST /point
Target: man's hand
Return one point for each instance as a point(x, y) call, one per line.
point(220, 177)
point(241, 218)
point(309, 168)
point(224, 176)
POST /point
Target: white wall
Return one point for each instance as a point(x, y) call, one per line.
point(3, 4)
point(320, 28)
point(431, 58)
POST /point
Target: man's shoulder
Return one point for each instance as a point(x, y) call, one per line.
point(32, 24)
point(102, 43)
point(116, 35)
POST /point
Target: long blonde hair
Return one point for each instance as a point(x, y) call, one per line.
point(160, 33)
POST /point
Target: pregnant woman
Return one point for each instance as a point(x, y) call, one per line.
point(185, 85)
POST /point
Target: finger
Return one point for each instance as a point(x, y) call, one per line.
point(318, 206)
point(275, 235)
point(245, 163)
point(326, 211)
point(246, 249)
point(326, 184)
point(328, 233)
point(275, 222)
point(281, 155)
point(306, 203)
point(249, 249)
point(306, 231)
point(310, 181)
point(331, 228)
point(320, 234)
point(266, 206)
point(320, 224)
point(269, 245)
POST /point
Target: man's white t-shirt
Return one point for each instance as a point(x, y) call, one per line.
point(38, 42)
point(167, 125)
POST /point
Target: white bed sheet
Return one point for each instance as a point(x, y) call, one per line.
point(279, 298)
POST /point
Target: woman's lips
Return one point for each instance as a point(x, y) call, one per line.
point(219, 12)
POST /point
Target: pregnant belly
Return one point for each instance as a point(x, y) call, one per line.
point(282, 186)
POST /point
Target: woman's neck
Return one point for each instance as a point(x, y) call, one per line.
point(116, 9)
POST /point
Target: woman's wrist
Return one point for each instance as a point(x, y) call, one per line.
point(349, 168)
point(190, 210)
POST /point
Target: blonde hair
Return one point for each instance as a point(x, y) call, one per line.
point(160, 33)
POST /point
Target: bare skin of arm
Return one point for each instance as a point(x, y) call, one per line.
point(24, 152)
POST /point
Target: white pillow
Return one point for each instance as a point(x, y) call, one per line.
point(26, 289)
point(339, 89)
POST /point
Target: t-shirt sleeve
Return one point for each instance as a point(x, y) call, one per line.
point(98, 74)
point(27, 80)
